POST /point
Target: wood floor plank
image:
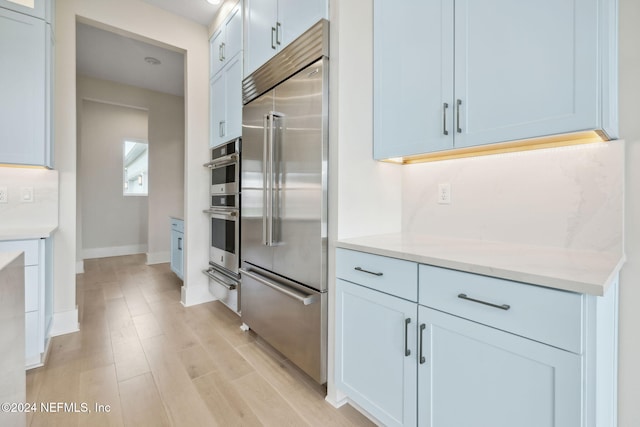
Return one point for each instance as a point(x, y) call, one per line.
point(179, 395)
point(303, 394)
point(141, 403)
point(196, 361)
point(266, 402)
point(225, 403)
point(147, 326)
point(99, 390)
point(129, 358)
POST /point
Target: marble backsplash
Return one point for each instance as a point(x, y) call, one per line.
point(42, 212)
point(567, 197)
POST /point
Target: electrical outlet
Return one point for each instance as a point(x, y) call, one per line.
point(26, 195)
point(4, 196)
point(444, 193)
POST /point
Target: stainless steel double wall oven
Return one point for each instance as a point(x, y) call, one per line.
point(224, 224)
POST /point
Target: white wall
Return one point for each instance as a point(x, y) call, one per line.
point(166, 154)
point(111, 223)
point(137, 18)
point(364, 195)
point(629, 374)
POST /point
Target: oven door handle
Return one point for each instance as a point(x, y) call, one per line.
point(229, 214)
point(213, 276)
point(222, 161)
point(305, 299)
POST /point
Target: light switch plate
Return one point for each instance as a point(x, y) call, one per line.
point(26, 195)
point(4, 196)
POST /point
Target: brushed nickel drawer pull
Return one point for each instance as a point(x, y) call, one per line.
point(501, 307)
point(367, 271)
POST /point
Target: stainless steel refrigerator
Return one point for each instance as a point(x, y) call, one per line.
point(284, 201)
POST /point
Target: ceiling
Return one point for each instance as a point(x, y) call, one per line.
point(109, 56)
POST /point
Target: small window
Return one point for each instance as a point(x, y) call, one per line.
point(136, 168)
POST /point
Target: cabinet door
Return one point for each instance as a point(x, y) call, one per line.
point(260, 42)
point(474, 375)
point(525, 69)
point(297, 16)
point(375, 348)
point(233, 98)
point(215, 52)
point(22, 85)
point(412, 77)
point(218, 114)
point(233, 34)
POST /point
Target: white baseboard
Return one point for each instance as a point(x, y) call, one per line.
point(158, 257)
point(65, 322)
point(336, 403)
point(113, 251)
point(80, 267)
point(196, 294)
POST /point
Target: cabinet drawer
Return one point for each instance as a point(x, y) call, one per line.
point(29, 247)
point(177, 225)
point(550, 316)
point(390, 275)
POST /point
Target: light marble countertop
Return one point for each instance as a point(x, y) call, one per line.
point(565, 269)
point(179, 218)
point(7, 258)
point(25, 233)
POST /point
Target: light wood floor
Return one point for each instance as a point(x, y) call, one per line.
point(157, 363)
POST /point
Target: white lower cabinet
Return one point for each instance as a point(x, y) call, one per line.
point(37, 316)
point(471, 350)
point(475, 375)
point(177, 247)
point(375, 333)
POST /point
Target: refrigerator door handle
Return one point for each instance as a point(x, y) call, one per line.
point(305, 299)
point(266, 165)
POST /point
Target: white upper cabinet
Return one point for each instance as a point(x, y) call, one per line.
point(23, 77)
point(226, 41)
point(43, 9)
point(226, 79)
point(226, 103)
point(273, 24)
point(522, 70)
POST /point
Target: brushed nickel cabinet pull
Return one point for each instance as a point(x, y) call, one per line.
point(273, 37)
point(444, 118)
point(407, 352)
point(490, 304)
point(422, 359)
point(458, 104)
point(367, 271)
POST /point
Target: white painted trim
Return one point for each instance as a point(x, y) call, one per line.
point(113, 251)
point(80, 266)
point(193, 295)
point(158, 257)
point(336, 403)
point(65, 322)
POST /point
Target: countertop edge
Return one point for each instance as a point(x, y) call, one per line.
point(27, 233)
point(554, 281)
